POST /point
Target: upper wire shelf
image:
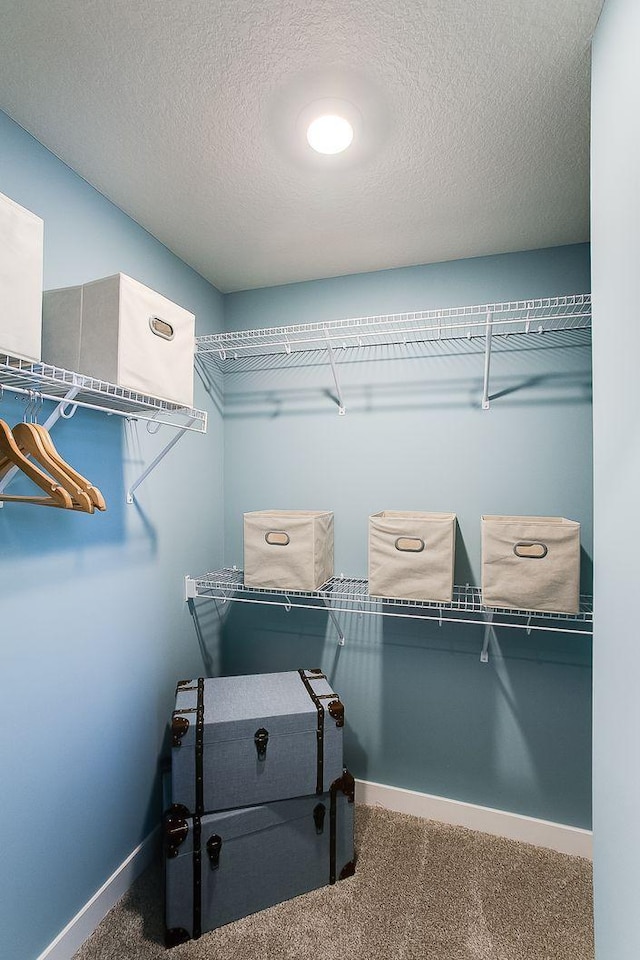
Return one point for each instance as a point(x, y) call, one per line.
point(351, 595)
point(467, 322)
point(45, 381)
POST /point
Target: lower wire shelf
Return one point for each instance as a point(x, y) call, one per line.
point(351, 595)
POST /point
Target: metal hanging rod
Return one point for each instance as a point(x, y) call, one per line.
point(517, 316)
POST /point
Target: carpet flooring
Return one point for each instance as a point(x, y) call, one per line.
point(422, 891)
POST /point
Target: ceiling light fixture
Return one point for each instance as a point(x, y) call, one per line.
point(329, 134)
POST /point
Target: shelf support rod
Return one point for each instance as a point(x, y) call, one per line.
point(154, 463)
point(335, 622)
point(332, 361)
point(484, 656)
point(53, 418)
point(487, 362)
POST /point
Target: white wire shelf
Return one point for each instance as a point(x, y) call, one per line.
point(451, 323)
point(351, 595)
point(41, 380)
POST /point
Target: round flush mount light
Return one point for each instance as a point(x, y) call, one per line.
point(329, 133)
point(329, 128)
point(322, 134)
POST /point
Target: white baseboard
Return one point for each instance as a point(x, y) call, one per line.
point(87, 919)
point(500, 823)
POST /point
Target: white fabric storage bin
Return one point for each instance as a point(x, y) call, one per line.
point(21, 244)
point(118, 330)
point(412, 555)
point(531, 563)
point(288, 549)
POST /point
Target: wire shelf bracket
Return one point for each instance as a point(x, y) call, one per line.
point(334, 371)
point(488, 631)
point(154, 463)
point(335, 622)
point(487, 362)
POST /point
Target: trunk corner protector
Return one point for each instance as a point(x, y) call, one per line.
point(348, 870)
point(346, 784)
point(175, 936)
point(336, 712)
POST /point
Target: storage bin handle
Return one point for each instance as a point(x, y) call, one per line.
point(530, 549)
point(161, 328)
point(410, 544)
point(277, 538)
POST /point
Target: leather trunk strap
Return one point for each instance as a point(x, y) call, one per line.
point(319, 732)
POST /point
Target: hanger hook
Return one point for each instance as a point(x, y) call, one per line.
point(34, 407)
point(28, 406)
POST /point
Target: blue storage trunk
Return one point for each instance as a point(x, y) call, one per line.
point(223, 866)
point(242, 741)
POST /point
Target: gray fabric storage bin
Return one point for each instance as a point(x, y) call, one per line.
point(239, 741)
point(531, 563)
point(21, 247)
point(118, 330)
point(288, 549)
point(224, 866)
point(412, 555)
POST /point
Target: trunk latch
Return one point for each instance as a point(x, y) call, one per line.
point(318, 817)
point(261, 740)
point(214, 846)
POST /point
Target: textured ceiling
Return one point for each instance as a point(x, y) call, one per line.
point(472, 136)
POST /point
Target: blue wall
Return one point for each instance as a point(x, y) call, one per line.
point(423, 713)
point(95, 631)
point(95, 628)
point(615, 229)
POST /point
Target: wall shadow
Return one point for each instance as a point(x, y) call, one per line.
point(94, 445)
point(208, 622)
point(513, 734)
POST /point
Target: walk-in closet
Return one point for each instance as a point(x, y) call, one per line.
point(317, 480)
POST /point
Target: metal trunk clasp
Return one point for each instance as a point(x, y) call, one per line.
point(214, 846)
point(261, 739)
point(318, 817)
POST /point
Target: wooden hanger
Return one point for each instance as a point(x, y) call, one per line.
point(96, 497)
point(10, 451)
point(30, 441)
point(70, 479)
point(79, 482)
